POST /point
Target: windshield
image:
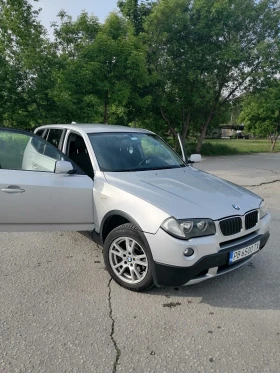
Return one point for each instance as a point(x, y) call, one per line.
point(124, 151)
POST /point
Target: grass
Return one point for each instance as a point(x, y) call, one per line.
point(233, 146)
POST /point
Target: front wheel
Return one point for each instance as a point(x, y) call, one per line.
point(127, 258)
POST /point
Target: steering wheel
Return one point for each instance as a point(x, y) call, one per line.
point(148, 160)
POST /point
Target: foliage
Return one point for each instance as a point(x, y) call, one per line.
point(71, 36)
point(204, 52)
point(100, 80)
point(26, 61)
point(167, 65)
point(229, 147)
point(135, 12)
point(261, 113)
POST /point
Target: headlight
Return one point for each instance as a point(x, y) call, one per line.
point(189, 228)
point(263, 210)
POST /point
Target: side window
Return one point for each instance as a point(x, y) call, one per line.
point(41, 133)
point(24, 151)
point(44, 149)
point(54, 136)
point(77, 151)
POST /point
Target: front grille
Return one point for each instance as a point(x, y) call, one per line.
point(231, 226)
point(251, 219)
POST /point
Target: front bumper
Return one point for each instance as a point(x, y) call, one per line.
point(207, 267)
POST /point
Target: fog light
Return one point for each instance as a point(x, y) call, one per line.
point(188, 252)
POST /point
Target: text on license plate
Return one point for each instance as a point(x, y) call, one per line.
point(242, 253)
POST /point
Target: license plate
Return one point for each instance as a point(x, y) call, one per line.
point(242, 253)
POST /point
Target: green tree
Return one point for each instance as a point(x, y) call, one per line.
point(261, 113)
point(26, 64)
point(71, 36)
point(73, 74)
point(136, 12)
point(206, 52)
point(102, 80)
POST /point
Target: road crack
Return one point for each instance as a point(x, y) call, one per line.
point(274, 172)
point(264, 183)
point(118, 351)
point(265, 169)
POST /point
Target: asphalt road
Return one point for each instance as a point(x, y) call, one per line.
point(60, 312)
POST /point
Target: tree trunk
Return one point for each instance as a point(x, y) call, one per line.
point(168, 122)
point(135, 122)
point(274, 137)
point(203, 133)
point(273, 142)
point(106, 104)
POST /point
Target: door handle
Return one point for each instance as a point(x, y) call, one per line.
point(13, 189)
point(34, 166)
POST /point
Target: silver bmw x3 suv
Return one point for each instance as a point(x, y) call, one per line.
point(159, 220)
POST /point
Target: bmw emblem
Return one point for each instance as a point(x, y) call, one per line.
point(236, 207)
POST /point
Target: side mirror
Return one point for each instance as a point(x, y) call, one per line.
point(63, 167)
point(195, 158)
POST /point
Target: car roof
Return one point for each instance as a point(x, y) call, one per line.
point(94, 128)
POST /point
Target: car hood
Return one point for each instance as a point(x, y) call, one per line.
point(186, 192)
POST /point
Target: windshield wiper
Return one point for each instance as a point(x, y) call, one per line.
point(169, 167)
point(73, 171)
point(161, 168)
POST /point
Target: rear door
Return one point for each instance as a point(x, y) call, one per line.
point(32, 196)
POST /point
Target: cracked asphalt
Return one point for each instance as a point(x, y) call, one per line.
point(61, 312)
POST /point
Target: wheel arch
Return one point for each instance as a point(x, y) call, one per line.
point(115, 218)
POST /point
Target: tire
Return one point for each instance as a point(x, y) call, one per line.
point(128, 259)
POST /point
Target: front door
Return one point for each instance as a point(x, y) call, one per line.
point(33, 196)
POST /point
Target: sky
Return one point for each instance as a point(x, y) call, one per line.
point(50, 8)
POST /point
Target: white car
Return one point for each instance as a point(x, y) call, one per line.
point(160, 220)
